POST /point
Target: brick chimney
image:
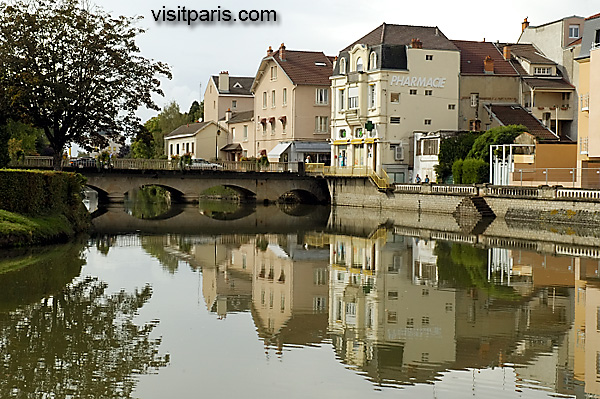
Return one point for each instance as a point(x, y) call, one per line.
point(270, 51)
point(224, 81)
point(416, 43)
point(488, 65)
point(282, 52)
point(506, 53)
point(524, 24)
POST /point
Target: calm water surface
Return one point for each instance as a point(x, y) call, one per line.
point(286, 301)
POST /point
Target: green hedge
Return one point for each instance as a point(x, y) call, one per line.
point(457, 169)
point(44, 193)
point(474, 171)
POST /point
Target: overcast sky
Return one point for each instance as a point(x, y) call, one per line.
point(202, 49)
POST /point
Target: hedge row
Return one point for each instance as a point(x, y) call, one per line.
point(470, 171)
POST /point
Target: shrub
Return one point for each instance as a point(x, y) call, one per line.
point(474, 171)
point(457, 169)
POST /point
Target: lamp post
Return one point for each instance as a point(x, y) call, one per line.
point(217, 144)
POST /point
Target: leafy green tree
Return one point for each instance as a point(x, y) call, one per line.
point(498, 135)
point(143, 146)
point(74, 72)
point(196, 111)
point(452, 149)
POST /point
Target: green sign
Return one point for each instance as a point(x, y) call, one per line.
point(369, 126)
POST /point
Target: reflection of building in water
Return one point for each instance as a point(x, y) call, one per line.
point(387, 316)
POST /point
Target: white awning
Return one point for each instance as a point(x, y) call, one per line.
point(278, 150)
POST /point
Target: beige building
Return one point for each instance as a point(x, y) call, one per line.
point(200, 140)
point(588, 136)
point(292, 106)
point(241, 127)
point(224, 92)
point(387, 85)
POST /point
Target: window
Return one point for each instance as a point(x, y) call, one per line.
point(428, 57)
point(413, 92)
point(283, 125)
point(425, 292)
point(410, 322)
point(343, 66)
point(273, 73)
point(233, 104)
point(233, 133)
point(358, 133)
point(321, 124)
point(273, 99)
point(573, 31)
point(451, 106)
point(597, 37)
point(245, 132)
point(373, 60)
point(342, 97)
point(429, 92)
point(542, 71)
point(192, 147)
point(353, 97)
point(425, 320)
point(395, 98)
point(399, 153)
point(342, 133)
point(264, 129)
point(392, 294)
point(395, 119)
point(319, 304)
point(449, 306)
point(371, 99)
point(430, 146)
point(359, 64)
point(171, 149)
point(284, 97)
point(392, 317)
point(474, 100)
point(322, 97)
point(427, 121)
point(264, 99)
point(177, 148)
point(320, 276)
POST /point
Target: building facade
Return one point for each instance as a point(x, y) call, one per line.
point(200, 140)
point(292, 106)
point(394, 81)
point(224, 92)
point(588, 134)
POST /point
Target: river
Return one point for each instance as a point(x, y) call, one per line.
point(298, 302)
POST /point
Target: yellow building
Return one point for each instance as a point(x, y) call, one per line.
point(588, 134)
point(224, 92)
point(392, 82)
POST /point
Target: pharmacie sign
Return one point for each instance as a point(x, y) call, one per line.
point(417, 81)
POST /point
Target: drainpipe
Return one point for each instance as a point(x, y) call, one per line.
point(557, 131)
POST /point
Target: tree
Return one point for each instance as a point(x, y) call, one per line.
point(196, 111)
point(495, 136)
point(74, 72)
point(452, 149)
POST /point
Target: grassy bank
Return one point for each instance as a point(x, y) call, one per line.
point(38, 207)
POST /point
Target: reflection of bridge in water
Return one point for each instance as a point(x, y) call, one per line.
point(189, 219)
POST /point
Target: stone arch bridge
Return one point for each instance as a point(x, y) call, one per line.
point(187, 186)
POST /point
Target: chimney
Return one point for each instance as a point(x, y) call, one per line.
point(524, 24)
point(224, 81)
point(282, 52)
point(270, 51)
point(506, 53)
point(488, 65)
point(228, 114)
point(416, 43)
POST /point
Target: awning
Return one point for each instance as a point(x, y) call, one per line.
point(272, 119)
point(370, 140)
point(312, 146)
point(340, 142)
point(357, 141)
point(233, 147)
point(278, 150)
point(263, 121)
point(283, 119)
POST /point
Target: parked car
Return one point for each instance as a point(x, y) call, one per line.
point(83, 162)
point(200, 163)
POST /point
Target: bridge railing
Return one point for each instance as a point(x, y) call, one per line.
point(250, 166)
point(381, 180)
point(34, 162)
point(143, 164)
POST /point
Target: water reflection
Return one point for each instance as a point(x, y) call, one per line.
point(404, 310)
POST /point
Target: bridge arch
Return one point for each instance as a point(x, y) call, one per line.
point(299, 196)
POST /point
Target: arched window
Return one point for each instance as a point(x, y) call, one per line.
point(342, 65)
point(359, 64)
point(373, 60)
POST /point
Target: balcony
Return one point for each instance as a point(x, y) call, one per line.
point(563, 112)
point(584, 100)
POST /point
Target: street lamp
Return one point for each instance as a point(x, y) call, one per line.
point(217, 144)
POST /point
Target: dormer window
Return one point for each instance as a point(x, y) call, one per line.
point(238, 85)
point(359, 65)
point(373, 60)
point(542, 71)
point(573, 31)
point(342, 66)
point(318, 63)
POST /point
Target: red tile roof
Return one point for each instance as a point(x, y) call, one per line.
point(517, 115)
point(472, 55)
point(593, 16)
point(305, 67)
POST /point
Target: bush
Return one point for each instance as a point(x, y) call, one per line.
point(457, 170)
point(495, 136)
point(474, 171)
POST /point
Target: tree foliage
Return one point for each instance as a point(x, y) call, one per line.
point(451, 149)
point(74, 72)
point(495, 136)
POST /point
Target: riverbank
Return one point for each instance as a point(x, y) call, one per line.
point(40, 207)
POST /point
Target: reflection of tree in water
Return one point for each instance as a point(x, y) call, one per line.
point(148, 202)
point(156, 246)
point(81, 343)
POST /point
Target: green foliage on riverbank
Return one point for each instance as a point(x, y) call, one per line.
point(40, 207)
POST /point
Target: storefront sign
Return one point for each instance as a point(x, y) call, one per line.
point(414, 81)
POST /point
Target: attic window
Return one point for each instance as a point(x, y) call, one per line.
point(238, 85)
point(319, 63)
